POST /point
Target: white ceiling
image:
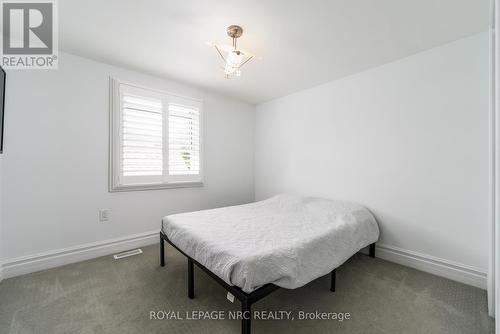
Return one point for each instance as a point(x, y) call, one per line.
point(302, 43)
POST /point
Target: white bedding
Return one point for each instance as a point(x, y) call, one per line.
point(285, 240)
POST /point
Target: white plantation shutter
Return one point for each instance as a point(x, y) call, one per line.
point(142, 136)
point(183, 140)
point(155, 139)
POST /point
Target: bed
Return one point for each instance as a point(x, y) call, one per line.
point(285, 241)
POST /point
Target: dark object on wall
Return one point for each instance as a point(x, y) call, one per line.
point(2, 105)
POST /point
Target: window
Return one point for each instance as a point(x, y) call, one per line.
point(156, 139)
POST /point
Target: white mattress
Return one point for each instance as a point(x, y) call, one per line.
point(285, 240)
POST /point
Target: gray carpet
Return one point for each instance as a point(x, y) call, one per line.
point(109, 296)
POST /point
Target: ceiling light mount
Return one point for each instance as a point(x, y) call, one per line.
point(234, 31)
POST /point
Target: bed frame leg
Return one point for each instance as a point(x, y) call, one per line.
point(190, 279)
point(162, 251)
point(372, 250)
point(246, 310)
point(332, 283)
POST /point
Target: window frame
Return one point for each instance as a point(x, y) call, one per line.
point(116, 183)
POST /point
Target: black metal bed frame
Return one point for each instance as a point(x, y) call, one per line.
point(246, 299)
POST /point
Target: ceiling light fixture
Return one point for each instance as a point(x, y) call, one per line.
point(233, 58)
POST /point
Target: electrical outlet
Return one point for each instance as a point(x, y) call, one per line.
point(104, 215)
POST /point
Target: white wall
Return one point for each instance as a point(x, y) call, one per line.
point(55, 167)
point(408, 139)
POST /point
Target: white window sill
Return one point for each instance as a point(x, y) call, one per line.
point(154, 186)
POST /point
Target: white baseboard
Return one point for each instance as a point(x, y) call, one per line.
point(46, 260)
point(430, 264)
point(28, 264)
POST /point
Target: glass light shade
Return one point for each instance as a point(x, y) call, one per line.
point(233, 58)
